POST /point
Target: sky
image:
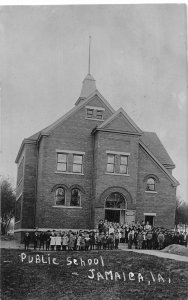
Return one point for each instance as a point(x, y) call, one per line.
point(138, 59)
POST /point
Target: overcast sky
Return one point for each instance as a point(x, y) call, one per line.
point(138, 58)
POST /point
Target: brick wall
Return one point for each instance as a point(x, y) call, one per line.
point(163, 202)
point(29, 191)
point(127, 185)
point(73, 134)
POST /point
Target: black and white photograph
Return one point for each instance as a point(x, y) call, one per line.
point(93, 145)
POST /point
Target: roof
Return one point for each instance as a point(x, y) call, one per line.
point(172, 179)
point(111, 118)
point(34, 136)
point(151, 140)
point(88, 86)
point(51, 127)
point(48, 129)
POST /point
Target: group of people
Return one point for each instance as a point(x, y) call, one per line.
point(143, 236)
point(70, 240)
point(107, 236)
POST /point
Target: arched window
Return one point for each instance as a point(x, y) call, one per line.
point(60, 196)
point(75, 197)
point(115, 200)
point(151, 184)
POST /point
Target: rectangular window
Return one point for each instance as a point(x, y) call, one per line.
point(99, 114)
point(90, 113)
point(110, 163)
point(77, 163)
point(62, 162)
point(123, 164)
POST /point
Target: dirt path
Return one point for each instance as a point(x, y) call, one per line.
point(155, 253)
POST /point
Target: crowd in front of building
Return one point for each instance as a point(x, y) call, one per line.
point(106, 237)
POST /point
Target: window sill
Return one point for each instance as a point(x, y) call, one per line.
point(64, 206)
point(69, 173)
point(151, 192)
point(117, 174)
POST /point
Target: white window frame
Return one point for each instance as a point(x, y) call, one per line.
point(77, 164)
point(124, 164)
point(73, 152)
point(119, 154)
point(110, 154)
point(62, 162)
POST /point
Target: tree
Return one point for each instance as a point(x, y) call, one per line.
point(181, 216)
point(8, 200)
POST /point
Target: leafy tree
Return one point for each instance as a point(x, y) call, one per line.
point(8, 199)
point(181, 216)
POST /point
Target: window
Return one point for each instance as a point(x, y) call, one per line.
point(99, 114)
point(18, 209)
point(115, 200)
point(94, 113)
point(123, 164)
point(77, 163)
point(75, 197)
point(60, 196)
point(62, 162)
point(110, 163)
point(90, 113)
point(150, 184)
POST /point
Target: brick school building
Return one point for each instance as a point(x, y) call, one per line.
point(93, 163)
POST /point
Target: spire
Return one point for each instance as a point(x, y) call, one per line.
point(89, 54)
point(88, 85)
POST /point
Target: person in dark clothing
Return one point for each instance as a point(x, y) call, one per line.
point(35, 240)
point(27, 240)
point(176, 238)
point(42, 239)
point(130, 239)
point(101, 226)
point(116, 238)
point(149, 238)
point(92, 241)
point(155, 241)
point(135, 239)
point(126, 235)
point(110, 242)
point(48, 234)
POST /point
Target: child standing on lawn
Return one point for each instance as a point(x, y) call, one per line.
point(27, 239)
point(35, 240)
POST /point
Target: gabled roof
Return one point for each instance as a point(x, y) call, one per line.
point(51, 127)
point(115, 116)
point(151, 140)
point(172, 179)
point(48, 129)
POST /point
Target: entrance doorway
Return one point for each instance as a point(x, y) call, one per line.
point(149, 219)
point(112, 215)
point(115, 208)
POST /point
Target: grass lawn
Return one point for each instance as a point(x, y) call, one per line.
point(91, 275)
